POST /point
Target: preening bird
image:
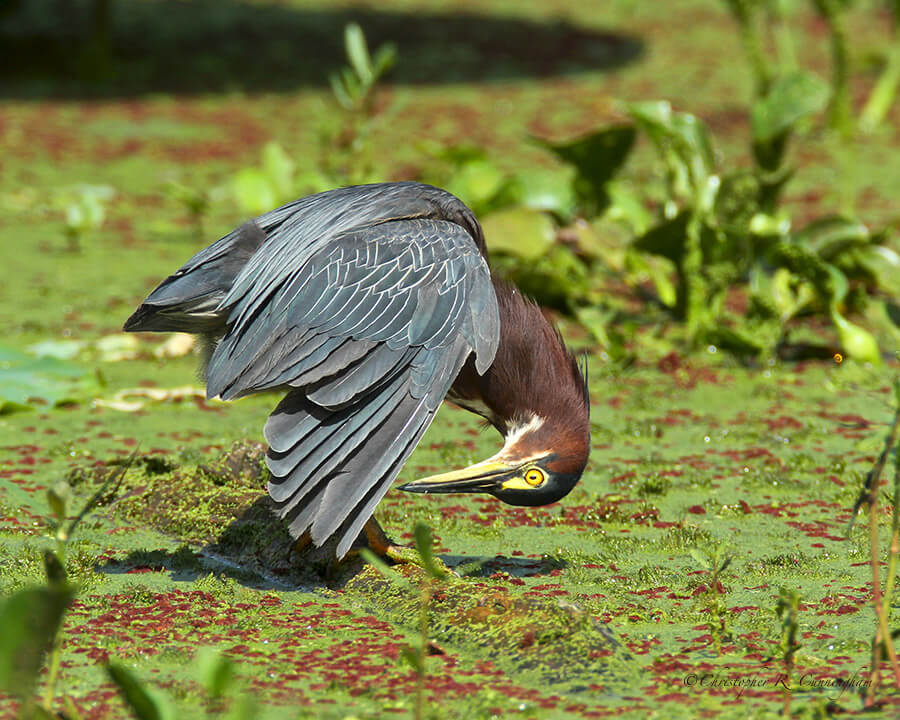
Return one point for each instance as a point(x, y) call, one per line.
point(370, 305)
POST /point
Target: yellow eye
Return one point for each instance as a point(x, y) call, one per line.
point(534, 477)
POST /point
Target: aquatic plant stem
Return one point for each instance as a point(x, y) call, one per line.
point(882, 642)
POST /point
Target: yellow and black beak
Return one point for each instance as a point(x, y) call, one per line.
point(492, 476)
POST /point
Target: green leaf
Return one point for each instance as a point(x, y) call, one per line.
point(60, 349)
point(791, 98)
point(667, 239)
point(414, 659)
point(702, 558)
point(385, 58)
point(547, 190)
point(215, 671)
point(830, 236)
point(856, 342)
point(476, 183)
point(26, 381)
point(520, 232)
point(683, 142)
point(145, 704)
point(626, 205)
point(58, 498)
point(425, 546)
point(340, 92)
point(253, 191)
point(596, 157)
point(358, 52)
point(29, 620)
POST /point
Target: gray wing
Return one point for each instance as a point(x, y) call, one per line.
point(198, 296)
point(369, 330)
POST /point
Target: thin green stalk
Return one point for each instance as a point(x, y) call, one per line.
point(784, 41)
point(876, 595)
point(884, 93)
point(841, 111)
point(751, 38)
point(423, 650)
point(895, 542)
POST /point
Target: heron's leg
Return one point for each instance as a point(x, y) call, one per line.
point(376, 538)
point(381, 545)
point(303, 542)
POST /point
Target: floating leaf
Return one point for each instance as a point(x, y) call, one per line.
point(25, 381)
point(60, 349)
point(118, 347)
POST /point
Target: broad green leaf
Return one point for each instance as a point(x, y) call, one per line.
point(244, 707)
point(425, 546)
point(29, 620)
point(791, 98)
point(883, 266)
point(541, 189)
point(253, 191)
point(667, 239)
point(280, 170)
point(26, 381)
point(144, 703)
point(596, 157)
point(358, 52)
point(476, 183)
point(520, 232)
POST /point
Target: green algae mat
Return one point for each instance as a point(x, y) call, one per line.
point(599, 605)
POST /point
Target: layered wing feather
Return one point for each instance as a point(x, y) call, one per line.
point(371, 330)
point(364, 302)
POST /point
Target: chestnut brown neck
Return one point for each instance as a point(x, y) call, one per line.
point(533, 376)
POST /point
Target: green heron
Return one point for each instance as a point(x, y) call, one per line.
point(370, 305)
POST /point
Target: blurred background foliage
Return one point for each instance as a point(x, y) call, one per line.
point(657, 227)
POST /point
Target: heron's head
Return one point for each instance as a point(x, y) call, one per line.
point(534, 393)
point(537, 466)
